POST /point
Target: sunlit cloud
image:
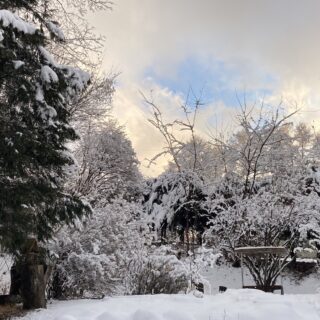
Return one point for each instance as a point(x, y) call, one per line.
point(263, 49)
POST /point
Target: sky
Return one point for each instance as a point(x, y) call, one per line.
point(221, 49)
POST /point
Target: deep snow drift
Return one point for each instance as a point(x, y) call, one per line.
point(231, 305)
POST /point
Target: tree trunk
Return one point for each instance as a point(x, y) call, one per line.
point(33, 286)
point(15, 281)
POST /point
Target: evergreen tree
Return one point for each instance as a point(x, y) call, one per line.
point(34, 128)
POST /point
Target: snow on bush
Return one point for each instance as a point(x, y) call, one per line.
point(175, 201)
point(159, 271)
point(92, 260)
point(112, 253)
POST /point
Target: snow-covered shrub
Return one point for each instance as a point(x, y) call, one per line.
point(278, 213)
point(92, 260)
point(164, 270)
point(159, 271)
point(111, 254)
point(174, 202)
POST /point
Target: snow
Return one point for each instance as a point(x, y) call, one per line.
point(53, 27)
point(169, 193)
point(39, 94)
point(5, 265)
point(257, 248)
point(48, 75)
point(17, 64)
point(230, 277)
point(48, 113)
point(47, 56)
point(8, 18)
point(79, 79)
point(231, 305)
point(307, 260)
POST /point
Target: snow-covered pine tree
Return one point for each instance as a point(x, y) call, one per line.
point(34, 122)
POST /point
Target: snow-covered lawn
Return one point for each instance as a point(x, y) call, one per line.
point(230, 277)
point(231, 305)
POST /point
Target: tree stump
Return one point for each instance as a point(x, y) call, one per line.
point(33, 286)
point(33, 280)
point(15, 281)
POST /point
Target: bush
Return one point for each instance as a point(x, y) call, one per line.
point(92, 260)
point(159, 272)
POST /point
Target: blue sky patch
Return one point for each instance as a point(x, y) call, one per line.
point(214, 80)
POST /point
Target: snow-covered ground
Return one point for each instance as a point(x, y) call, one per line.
point(230, 277)
point(231, 305)
point(218, 276)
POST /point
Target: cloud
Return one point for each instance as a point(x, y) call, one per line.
point(132, 112)
point(245, 45)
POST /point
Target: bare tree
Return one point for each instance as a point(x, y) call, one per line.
point(108, 166)
point(169, 130)
point(94, 105)
point(258, 131)
point(79, 45)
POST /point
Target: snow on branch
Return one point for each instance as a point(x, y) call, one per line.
point(55, 30)
point(8, 18)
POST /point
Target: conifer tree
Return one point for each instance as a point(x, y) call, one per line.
point(35, 92)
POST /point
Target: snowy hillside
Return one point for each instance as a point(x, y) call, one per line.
point(231, 305)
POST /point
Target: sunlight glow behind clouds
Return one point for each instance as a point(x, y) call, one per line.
point(262, 45)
